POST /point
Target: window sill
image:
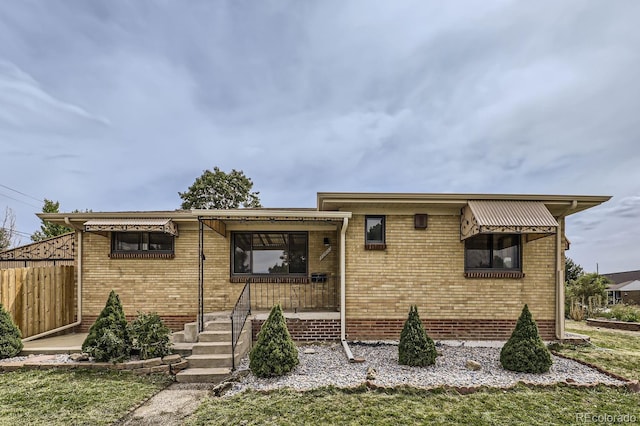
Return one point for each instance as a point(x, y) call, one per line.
point(142, 255)
point(270, 280)
point(375, 246)
point(494, 274)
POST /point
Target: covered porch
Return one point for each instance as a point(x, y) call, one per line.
point(294, 258)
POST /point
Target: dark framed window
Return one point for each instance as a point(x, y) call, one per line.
point(269, 253)
point(142, 242)
point(493, 252)
point(374, 232)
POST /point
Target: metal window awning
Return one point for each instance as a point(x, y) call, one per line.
point(132, 225)
point(506, 217)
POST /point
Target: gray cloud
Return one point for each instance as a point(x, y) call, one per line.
point(119, 105)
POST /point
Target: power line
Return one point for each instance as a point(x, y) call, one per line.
point(24, 234)
point(20, 201)
point(21, 193)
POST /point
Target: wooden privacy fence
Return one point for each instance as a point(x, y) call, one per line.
point(39, 298)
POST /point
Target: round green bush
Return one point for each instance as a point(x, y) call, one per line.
point(109, 339)
point(10, 336)
point(525, 351)
point(416, 348)
point(274, 353)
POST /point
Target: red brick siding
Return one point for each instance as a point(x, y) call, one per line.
point(174, 322)
point(311, 330)
point(444, 329)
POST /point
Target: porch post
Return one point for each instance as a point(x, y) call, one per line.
point(201, 259)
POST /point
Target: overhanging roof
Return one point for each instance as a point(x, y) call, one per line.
point(506, 217)
point(132, 225)
point(272, 214)
point(630, 286)
point(557, 204)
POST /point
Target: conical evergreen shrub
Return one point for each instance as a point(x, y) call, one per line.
point(416, 347)
point(525, 351)
point(274, 353)
point(10, 337)
point(109, 339)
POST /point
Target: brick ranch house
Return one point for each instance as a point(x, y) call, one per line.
point(348, 269)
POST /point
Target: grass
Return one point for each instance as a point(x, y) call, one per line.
point(29, 397)
point(617, 351)
point(557, 405)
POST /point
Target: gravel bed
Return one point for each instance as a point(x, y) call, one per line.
point(328, 365)
point(44, 359)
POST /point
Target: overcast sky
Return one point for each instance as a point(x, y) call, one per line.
point(118, 105)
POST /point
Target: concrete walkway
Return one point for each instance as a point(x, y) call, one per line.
point(170, 406)
point(65, 344)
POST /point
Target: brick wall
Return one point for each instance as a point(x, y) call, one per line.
point(306, 330)
point(426, 268)
point(443, 329)
point(170, 286)
point(174, 322)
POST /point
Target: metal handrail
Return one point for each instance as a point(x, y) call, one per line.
point(239, 315)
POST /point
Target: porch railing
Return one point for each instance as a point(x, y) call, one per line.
point(317, 295)
point(239, 315)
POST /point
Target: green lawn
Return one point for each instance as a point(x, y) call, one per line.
point(617, 351)
point(558, 405)
point(32, 397)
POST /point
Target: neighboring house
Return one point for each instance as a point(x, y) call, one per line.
point(348, 269)
point(625, 287)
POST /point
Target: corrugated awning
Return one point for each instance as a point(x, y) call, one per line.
point(131, 225)
point(506, 217)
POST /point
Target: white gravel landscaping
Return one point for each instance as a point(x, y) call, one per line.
point(327, 365)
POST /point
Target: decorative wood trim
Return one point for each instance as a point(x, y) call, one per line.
point(142, 255)
point(377, 246)
point(168, 227)
point(270, 280)
point(494, 274)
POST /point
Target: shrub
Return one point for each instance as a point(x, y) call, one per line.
point(621, 312)
point(416, 347)
point(274, 353)
point(150, 336)
point(109, 339)
point(10, 337)
point(524, 351)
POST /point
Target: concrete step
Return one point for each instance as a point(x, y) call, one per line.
point(218, 325)
point(203, 375)
point(219, 336)
point(209, 348)
point(183, 349)
point(211, 361)
point(177, 337)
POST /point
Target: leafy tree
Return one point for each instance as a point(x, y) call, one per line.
point(274, 353)
point(416, 347)
point(588, 287)
point(108, 338)
point(48, 229)
point(219, 190)
point(572, 271)
point(8, 233)
point(10, 337)
point(525, 351)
